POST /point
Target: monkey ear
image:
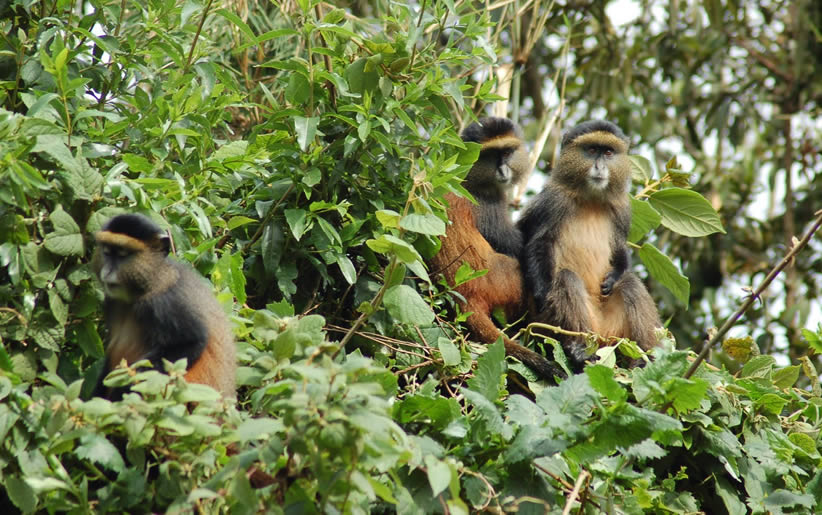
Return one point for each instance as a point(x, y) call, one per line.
point(164, 242)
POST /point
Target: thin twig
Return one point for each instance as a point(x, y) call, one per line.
point(583, 475)
point(788, 259)
point(197, 34)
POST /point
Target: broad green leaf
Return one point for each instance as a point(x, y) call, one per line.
point(771, 403)
point(785, 377)
point(644, 219)
point(347, 269)
point(439, 474)
point(297, 222)
point(760, 366)
point(450, 353)
point(686, 212)
point(239, 221)
point(406, 306)
point(663, 270)
point(98, 449)
point(490, 368)
point(388, 244)
point(641, 169)
point(428, 223)
point(306, 128)
point(66, 239)
point(602, 380)
point(388, 218)
point(20, 493)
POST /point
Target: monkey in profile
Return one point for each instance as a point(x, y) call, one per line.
point(484, 236)
point(575, 255)
point(156, 308)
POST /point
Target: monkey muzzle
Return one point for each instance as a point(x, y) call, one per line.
point(598, 175)
point(504, 174)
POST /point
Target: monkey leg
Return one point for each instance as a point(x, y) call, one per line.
point(502, 287)
point(569, 306)
point(641, 315)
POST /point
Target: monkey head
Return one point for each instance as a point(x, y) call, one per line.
point(503, 159)
point(130, 253)
point(593, 161)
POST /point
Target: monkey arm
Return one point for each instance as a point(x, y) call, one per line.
point(172, 330)
point(620, 260)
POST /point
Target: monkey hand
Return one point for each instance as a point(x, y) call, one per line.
point(607, 285)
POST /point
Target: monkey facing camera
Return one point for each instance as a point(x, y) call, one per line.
point(575, 258)
point(484, 236)
point(156, 308)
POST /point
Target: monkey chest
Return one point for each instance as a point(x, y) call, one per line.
point(124, 341)
point(584, 247)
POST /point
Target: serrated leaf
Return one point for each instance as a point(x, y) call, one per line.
point(602, 380)
point(644, 219)
point(66, 239)
point(20, 493)
point(97, 448)
point(428, 223)
point(663, 270)
point(405, 305)
point(772, 403)
point(641, 169)
point(759, 366)
point(490, 368)
point(686, 212)
point(258, 428)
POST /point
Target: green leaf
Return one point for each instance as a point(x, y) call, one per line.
point(450, 352)
point(239, 221)
point(785, 377)
point(388, 218)
point(298, 90)
point(490, 368)
point(663, 270)
point(644, 219)
point(347, 268)
point(59, 309)
point(439, 474)
point(388, 244)
point(97, 448)
point(306, 129)
point(686, 212)
point(66, 239)
point(602, 380)
point(428, 223)
point(405, 305)
point(641, 169)
point(297, 222)
point(20, 493)
point(760, 366)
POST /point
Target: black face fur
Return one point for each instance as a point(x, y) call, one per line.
point(489, 128)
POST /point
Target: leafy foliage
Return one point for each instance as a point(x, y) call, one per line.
point(299, 155)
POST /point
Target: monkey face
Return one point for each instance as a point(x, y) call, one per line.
point(109, 266)
point(600, 172)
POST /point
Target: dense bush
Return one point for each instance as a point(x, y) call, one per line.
point(299, 155)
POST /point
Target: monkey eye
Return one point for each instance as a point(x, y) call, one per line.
point(591, 150)
point(608, 152)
